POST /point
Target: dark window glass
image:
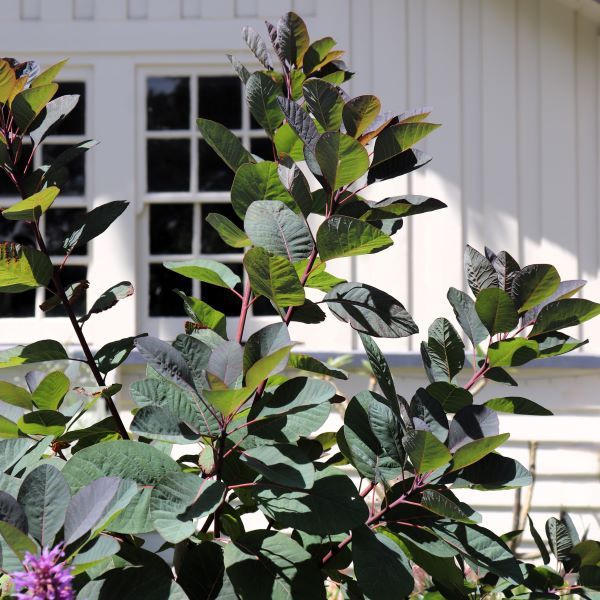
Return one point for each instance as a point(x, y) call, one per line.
point(254, 124)
point(213, 173)
point(168, 103)
point(69, 275)
point(220, 298)
point(73, 183)
point(60, 223)
point(220, 99)
point(262, 147)
point(263, 308)
point(17, 305)
point(16, 231)
point(211, 242)
point(168, 165)
point(163, 302)
point(171, 228)
point(7, 187)
point(74, 122)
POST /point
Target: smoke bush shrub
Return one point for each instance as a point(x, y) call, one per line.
point(368, 511)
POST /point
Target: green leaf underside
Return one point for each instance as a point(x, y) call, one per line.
point(496, 310)
point(230, 233)
point(381, 566)
point(224, 143)
point(267, 564)
point(273, 277)
point(332, 505)
point(257, 182)
point(473, 451)
point(205, 270)
point(271, 225)
point(564, 313)
point(426, 452)
point(518, 406)
point(446, 350)
point(342, 159)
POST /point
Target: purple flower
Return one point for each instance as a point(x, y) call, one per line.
point(44, 578)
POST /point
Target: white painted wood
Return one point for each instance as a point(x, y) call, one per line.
point(558, 150)
point(385, 27)
point(191, 9)
point(31, 10)
point(83, 10)
point(438, 235)
point(305, 8)
point(246, 8)
point(164, 9)
point(273, 8)
point(11, 10)
point(528, 129)
point(137, 9)
point(56, 10)
point(499, 134)
point(587, 162)
point(111, 10)
point(471, 118)
point(112, 180)
point(224, 9)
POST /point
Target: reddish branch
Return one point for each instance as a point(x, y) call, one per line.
point(60, 292)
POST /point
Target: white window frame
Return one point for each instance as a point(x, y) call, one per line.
point(23, 330)
point(164, 326)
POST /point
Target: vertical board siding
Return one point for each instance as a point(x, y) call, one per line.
point(246, 8)
point(83, 10)
point(499, 126)
point(163, 9)
point(528, 129)
point(56, 10)
point(437, 237)
point(11, 10)
point(587, 162)
point(558, 149)
point(471, 118)
point(31, 10)
point(388, 29)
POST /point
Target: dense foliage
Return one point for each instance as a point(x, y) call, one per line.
point(261, 506)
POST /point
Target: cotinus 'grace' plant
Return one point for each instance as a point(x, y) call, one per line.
point(265, 502)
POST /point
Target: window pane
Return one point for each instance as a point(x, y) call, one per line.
point(262, 147)
point(7, 187)
point(163, 302)
point(69, 275)
point(220, 298)
point(60, 222)
point(211, 242)
point(263, 308)
point(17, 305)
point(74, 184)
point(171, 228)
point(168, 103)
point(74, 122)
point(168, 165)
point(220, 99)
point(16, 231)
point(213, 173)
